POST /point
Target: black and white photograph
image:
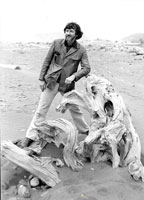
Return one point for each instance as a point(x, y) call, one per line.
point(72, 99)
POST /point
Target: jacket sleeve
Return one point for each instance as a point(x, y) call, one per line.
point(47, 62)
point(85, 67)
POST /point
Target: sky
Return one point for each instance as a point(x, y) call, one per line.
point(20, 20)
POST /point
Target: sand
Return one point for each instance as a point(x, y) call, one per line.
point(19, 98)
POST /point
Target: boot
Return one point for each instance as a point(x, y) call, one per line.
point(25, 142)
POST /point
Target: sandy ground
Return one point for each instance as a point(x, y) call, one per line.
point(19, 98)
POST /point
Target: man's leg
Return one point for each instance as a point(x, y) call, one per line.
point(46, 99)
point(78, 119)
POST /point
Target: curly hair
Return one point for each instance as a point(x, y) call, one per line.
point(76, 27)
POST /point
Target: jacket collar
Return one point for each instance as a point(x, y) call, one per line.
point(72, 50)
point(76, 45)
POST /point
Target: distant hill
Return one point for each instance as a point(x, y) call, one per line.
point(48, 37)
point(135, 38)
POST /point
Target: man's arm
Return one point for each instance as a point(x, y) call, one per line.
point(47, 62)
point(85, 67)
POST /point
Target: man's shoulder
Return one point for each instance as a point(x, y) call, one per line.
point(58, 41)
point(80, 46)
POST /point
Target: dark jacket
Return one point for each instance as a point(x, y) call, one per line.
point(60, 64)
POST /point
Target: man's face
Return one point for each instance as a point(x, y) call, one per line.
point(70, 35)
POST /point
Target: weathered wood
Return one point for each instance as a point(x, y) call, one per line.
point(20, 157)
point(61, 131)
point(111, 124)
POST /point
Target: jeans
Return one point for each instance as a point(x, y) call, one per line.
point(46, 99)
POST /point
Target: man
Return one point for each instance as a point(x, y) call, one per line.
point(58, 74)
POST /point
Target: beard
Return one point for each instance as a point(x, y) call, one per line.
point(70, 39)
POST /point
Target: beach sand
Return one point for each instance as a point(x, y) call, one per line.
point(20, 94)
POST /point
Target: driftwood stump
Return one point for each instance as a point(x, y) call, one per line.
point(20, 157)
point(111, 135)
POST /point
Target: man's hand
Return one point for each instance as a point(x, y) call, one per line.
point(70, 79)
point(42, 85)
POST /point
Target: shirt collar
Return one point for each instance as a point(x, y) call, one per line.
point(74, 44)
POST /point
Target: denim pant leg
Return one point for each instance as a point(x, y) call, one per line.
point(46, 99)
point(78, 119)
